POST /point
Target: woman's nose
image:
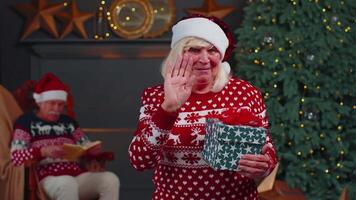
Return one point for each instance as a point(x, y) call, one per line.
point(204, 57)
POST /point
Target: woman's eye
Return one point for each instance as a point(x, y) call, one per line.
point(213, 50)
point(194, 50)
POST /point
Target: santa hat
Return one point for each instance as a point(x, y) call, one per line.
point(50, 88)
point(210, 29)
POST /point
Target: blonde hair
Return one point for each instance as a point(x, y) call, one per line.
point(184, 44)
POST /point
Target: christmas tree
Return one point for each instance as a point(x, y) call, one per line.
point(302, 55)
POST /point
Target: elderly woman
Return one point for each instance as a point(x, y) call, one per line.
point(170, 135)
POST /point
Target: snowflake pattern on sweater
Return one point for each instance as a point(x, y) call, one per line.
point(172, 144)
point(32, 133)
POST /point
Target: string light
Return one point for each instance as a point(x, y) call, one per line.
point(266, 95)
point(339, 128)
point(322, 135)
point(347, 29)
point(338, 139)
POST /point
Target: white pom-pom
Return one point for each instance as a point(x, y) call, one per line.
point(226, 67)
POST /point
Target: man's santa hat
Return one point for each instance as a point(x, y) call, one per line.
point(50, 88)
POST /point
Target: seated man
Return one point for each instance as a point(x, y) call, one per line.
point(39, 137)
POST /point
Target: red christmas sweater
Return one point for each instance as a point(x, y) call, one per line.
point(172, 144)
point(32, 133)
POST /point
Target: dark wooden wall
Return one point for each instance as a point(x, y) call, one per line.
point(106, 89)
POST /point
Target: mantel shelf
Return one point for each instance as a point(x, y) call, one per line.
point(105, 49)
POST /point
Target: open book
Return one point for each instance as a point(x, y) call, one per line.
point(75, 151)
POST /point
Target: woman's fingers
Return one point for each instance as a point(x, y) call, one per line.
point(183, 65)
point(252, 157)
point(253, 166)
point(177, 64)
point(188, 68)
point(251, 170)
point(257, 161)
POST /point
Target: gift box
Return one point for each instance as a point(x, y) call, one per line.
point(224, 144)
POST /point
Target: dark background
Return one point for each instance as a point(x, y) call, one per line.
point(106, 77)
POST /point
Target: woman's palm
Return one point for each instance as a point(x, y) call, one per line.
point(178, 83)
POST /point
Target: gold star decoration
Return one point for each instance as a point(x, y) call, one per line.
point(210, 8)
point(39, 15)
point(74, 20)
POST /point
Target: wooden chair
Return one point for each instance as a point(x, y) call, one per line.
point(272, 189)
point(267, 183)
point(23, 96)
point(344, 194)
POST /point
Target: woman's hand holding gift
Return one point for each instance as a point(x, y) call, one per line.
point(255, 166)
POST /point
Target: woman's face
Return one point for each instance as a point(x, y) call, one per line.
point(205, 63)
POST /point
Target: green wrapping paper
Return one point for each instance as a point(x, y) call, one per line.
point(224, 144)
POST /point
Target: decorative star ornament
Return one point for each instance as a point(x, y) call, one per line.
point(39, 15)
point(74, 20)
point(210, 8)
